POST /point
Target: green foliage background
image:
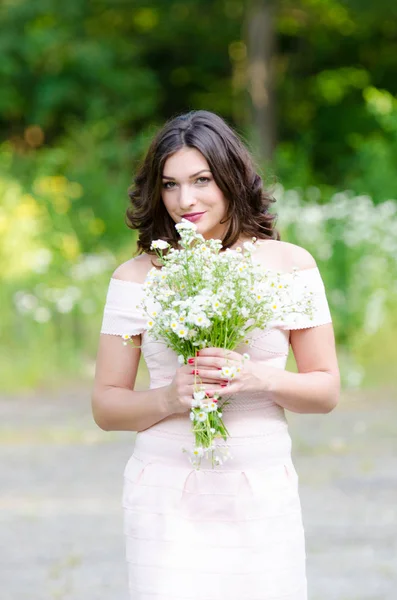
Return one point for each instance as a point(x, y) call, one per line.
point(85, 84)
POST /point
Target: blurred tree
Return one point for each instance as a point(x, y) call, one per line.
point(118, 69)
point(261, 44)
point(329, 53)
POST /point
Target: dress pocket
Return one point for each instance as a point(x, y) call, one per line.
point(133, 469)
point(291, 475)
point(133, 475)
point(274, 491)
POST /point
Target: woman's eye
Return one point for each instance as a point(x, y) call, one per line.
point(167, 184)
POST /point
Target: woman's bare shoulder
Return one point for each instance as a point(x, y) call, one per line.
point(284, 256)
point(135, 269)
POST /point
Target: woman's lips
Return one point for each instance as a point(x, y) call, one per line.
point(194, 217)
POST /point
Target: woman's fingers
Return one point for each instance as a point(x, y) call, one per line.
point(218, 353)
point(217, 375)
point(214, 362)
point(209, 387)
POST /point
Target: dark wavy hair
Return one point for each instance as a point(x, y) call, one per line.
point(233, 170)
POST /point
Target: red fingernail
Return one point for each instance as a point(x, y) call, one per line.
point(223, 384)
point(194, 372)
point(191, 361)
point(198, 352)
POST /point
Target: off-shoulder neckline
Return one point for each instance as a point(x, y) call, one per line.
point(273, 271)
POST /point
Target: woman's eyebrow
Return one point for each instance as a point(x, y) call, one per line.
point(191, 176)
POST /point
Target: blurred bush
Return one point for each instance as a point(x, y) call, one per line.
point(354, 242)
point(62, 236)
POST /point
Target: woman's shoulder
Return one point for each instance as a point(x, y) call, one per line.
point(135, 269)
point(285, 256)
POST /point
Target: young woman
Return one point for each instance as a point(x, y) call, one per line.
point(234, 532)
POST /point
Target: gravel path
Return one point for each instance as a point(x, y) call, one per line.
point(61, 515)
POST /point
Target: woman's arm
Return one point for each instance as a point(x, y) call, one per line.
point(314, 389)
point(116, 406)
point(316, 386)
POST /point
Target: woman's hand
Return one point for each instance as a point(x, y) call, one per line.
point(187, 381)
point(243, 374)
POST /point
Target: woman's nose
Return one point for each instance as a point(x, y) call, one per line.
point(186, 197)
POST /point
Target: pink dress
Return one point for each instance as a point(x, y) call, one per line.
point(232, 533)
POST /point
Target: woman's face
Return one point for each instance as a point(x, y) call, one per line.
point(188, 188)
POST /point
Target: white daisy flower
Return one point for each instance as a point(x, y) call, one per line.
point(201, 416)
point(211, 406)
point(199, 396)
point(192, 415)
point(181, 360)
point(197, 404)
point(201, 320)
point(216, 305)
point(198, 451)
point(185, 224)
point(228, 372)
point(182, 332)
point(159, 244)
point(225, 372)
point(249, 247)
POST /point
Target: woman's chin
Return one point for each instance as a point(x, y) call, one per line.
point(216, 232)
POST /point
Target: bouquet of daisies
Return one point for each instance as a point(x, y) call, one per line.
point(207, 298)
